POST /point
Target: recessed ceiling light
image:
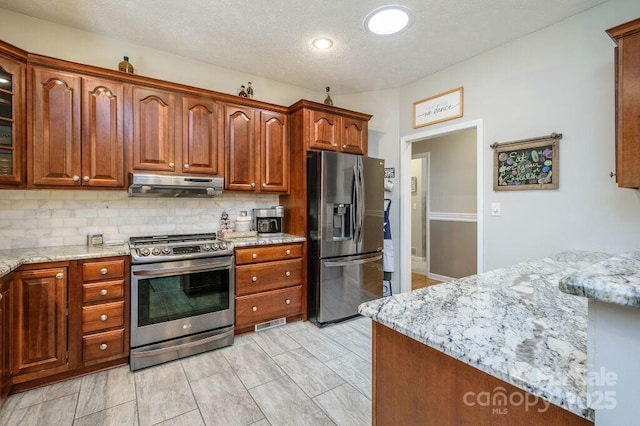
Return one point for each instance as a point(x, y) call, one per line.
point(322, 43)
point(388, 20)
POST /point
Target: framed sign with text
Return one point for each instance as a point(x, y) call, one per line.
point(442, 107)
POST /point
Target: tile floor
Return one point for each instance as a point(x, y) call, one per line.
point(296, 374)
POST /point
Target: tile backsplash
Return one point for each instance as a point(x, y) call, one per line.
point(45, 218)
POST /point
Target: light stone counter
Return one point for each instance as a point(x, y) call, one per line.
point(615, 280)
point(513, 323)
point(263, 241)
point(12, 259)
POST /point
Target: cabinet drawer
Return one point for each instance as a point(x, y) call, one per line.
point(106, 290)
point(103, 345)
point(268, 276)
point(266, 254)
point(269, 305)
point(106, 269)
point(102, 317)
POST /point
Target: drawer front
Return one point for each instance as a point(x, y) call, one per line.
point(268, 276)
point(247, 255)
point(267, 306)
point(102, 317)
point(102, 270)
point(103, 345)
point(98, 292)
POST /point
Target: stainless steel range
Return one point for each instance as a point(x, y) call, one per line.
point(181, 297)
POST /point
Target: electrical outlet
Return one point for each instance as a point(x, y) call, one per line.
point(495, 209)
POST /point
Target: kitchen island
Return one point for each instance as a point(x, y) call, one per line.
point(502, 347)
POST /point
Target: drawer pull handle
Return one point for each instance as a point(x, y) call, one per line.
point(103, 347)
point(288, 273)
point(254, 256)
point(86, 178)
point(104, 271)
point(103, 292)
point(288, 252)
point(172, 165)
point(59, 276)
point(76, 178)
point(104, 317)
point(254, 279)
point(186, 166)
point(288, 301)
point(253, 184)
point(254, 309)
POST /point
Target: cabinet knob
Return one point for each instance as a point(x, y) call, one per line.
point(288, 301)
point(104, 271)
point(264, 185)
point(254, 279)
point(76, 178)
point(344, 146)
point(254, 256)
point(288, 274)
point(186, 166)
point(288, 252)
point(254, 309)
point(59, 276)
point(103, 347)
point(611, 174)
point(104, 317)
point(253, 184)
point(335, 144)
point(103, 292)
point(86, 178)
point(172, 165)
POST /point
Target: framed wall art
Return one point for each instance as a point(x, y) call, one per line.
point(441, 107)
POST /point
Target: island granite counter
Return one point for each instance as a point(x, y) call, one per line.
point(512, 324)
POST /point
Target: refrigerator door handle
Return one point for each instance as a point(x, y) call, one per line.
point(355, 199)
point(353, 262)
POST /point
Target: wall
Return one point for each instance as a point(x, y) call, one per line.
point(36, 218)
point(417, 210)
point(559, 79)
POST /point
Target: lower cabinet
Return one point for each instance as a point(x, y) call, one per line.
point(269, 284)
point(6, 315)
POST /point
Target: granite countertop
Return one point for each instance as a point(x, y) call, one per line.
point(12, 259)
point(262, 241)
point(513, 323)
point(614, 280)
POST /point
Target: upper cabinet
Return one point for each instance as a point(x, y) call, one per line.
point(257, 149)
point(12, 121)
point(627, 37)
point(328, 128)
point(202, 138)
point(77, 134)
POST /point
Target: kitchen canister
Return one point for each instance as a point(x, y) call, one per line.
point(243, 222)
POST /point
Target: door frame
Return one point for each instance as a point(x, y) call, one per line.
point(405, 194)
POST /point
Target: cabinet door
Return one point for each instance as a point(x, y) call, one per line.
point(240, 149)
point(154, 130)
point(55, 141)
point(324, 131)
point(102, 133)
point(40, 329)
point(12, 122)
point(5, 336)
point(274, 152)
point(202, 146)
point(628, 112)
point(354, 136)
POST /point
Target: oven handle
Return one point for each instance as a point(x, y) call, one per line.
point(189, 269)
point(154, 352)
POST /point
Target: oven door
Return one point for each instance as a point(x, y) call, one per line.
point(174, 299)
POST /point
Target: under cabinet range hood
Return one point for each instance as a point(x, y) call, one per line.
point(154, 186)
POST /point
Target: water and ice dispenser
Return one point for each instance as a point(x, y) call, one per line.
point(341, 227)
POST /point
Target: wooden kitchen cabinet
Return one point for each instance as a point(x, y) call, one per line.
point(12, 118)
point(257, 150)
point(627, 63)
point(40, 322)
point(6, 320)
point(202, 136)
point(77, 135)
point(269, 284)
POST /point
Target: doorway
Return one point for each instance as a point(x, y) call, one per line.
point(446, 236)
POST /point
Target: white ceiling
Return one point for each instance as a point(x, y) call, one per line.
point(273, 38)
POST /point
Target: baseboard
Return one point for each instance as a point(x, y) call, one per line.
point(438, 277)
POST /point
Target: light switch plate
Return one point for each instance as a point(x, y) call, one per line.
point(495, 209)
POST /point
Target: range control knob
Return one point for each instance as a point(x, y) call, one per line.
point(215, 246)
point(223, 246)
point(144, 251)
point(206, 247)
point(166, 250)
point(155, 251)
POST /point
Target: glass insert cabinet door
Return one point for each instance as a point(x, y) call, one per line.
point(12, 107)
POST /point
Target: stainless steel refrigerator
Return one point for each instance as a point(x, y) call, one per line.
point(346, 217)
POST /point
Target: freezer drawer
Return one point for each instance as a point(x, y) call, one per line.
point(343, 284)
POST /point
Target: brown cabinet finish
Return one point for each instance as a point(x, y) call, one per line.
point(103, 269)
point(354, 135)
point(627, 58)
point(96, 347)
point(202, 139)
point(240, 135)
point(13, 121)
point(324, 129)
point(248, 255)
point(274, 152)
point(40, 329)
point(268, 276)
point(102, 291)
point(6, 315)
point(102, 317)
point(261, 307)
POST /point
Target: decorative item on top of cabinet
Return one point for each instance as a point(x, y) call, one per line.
point(269, 284)
point(12, 120)
point(627, 63)
point(257, 150)
point(328, 100)
point(6, 346)
point(125, 66)
point(77, 137)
